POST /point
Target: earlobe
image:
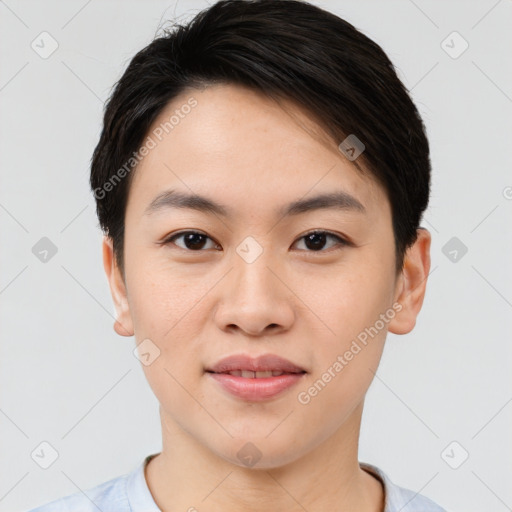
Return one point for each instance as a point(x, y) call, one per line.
point(412, 283)
point(123, 324)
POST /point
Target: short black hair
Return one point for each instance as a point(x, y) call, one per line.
point(285, 49)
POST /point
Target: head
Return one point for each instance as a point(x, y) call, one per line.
point(217, 142)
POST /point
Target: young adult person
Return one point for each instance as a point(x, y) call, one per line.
point(260, 180)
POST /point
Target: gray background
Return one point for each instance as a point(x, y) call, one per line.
point(65, 376)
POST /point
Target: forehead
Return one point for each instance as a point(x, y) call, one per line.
point(231, 142)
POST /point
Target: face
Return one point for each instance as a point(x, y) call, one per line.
point(313, 284)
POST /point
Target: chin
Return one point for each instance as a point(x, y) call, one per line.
point(260, 452)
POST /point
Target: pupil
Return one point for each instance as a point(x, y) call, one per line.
point(319, 243)
point(193, 239)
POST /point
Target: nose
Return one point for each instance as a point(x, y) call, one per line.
point(255, 299)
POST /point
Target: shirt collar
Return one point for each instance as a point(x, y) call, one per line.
point(141, 499)
point(137, 490)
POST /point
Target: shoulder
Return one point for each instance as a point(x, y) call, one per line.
point(399, 498)
point(109, 496)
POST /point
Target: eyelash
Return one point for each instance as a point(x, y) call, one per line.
point(341, 241)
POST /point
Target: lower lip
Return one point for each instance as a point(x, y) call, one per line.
point(256, 390)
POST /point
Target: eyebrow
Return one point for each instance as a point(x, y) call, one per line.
point(170, 199)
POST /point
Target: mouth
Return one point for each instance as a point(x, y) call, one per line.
point(255, 379)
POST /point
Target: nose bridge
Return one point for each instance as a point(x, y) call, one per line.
point(251, 271)
point(255, 298)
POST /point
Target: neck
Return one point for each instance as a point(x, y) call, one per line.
point(188, 476)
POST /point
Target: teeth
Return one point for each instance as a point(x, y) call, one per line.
point(255, 375)
point(263, 375)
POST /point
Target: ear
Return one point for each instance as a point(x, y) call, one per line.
point(411, 284)
point(123, 324)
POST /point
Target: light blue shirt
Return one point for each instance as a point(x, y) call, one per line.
point(130, 493)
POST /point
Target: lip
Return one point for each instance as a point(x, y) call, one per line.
point(263, 363)
point(255, 389)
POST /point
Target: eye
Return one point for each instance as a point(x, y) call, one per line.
point(315, 241)
point(193, 240)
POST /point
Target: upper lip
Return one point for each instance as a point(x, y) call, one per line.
point(266, 362)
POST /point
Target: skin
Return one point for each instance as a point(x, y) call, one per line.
point(246, 151)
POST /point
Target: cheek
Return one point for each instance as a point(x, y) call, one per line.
point(352, 306)
point(169, 312)
point(350, 302)
point(164, 301)
point(350, 350)
point(346, 360)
